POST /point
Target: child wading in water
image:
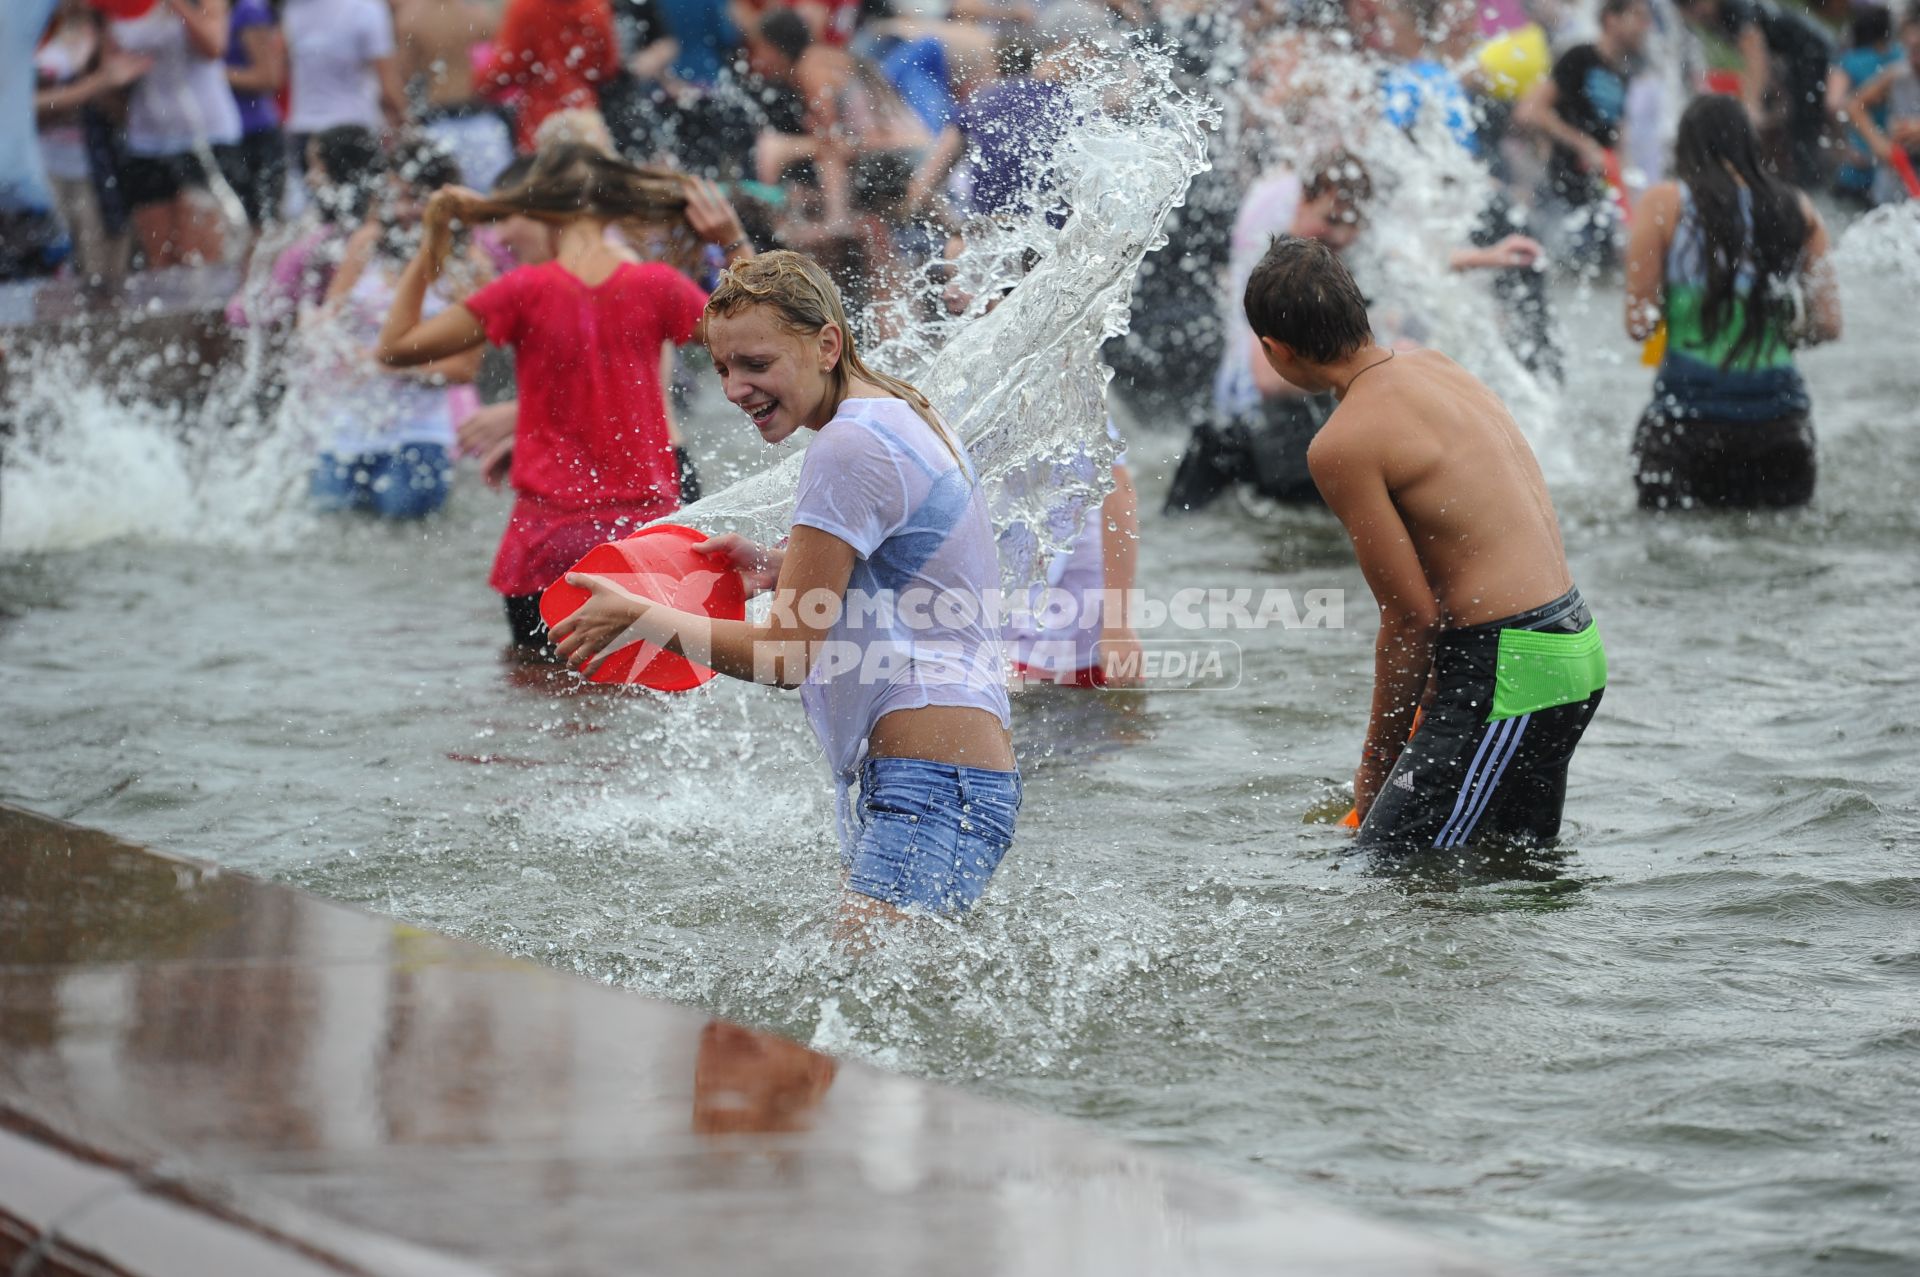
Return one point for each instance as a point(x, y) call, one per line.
point(592, 458)
point(1719, 256)
point(1460, 544)
point(387, 451)
point(881, 611)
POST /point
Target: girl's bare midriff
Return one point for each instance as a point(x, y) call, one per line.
point(957, 734)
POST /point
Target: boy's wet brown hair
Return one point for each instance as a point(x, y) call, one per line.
point(1300, 295)
point(1343, 173)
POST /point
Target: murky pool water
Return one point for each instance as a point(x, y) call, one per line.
point(1686, 1042)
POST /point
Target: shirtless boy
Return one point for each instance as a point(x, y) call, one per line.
point(1480, 622)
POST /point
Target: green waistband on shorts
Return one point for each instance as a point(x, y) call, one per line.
point(1537, 670)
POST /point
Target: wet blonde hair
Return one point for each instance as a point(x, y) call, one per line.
point(804, 301)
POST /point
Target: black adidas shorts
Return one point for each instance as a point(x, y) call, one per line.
point(1463, 777)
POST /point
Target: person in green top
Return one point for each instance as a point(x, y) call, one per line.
point(1734, 262)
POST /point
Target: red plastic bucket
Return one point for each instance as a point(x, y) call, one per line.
point(657, 563)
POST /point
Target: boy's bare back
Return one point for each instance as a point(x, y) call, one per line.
point(1421, 453)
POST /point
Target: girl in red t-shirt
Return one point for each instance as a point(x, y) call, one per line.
point(592, 459)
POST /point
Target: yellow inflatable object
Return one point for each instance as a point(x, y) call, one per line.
point(1516, 61)
point(1655, 349)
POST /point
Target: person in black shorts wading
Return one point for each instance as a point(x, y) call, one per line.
point(1480, 621)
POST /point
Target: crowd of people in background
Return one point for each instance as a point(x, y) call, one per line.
point(173, 131)
point(302, 139)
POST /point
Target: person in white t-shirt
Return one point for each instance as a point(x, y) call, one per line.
point(342, 64)
point(883, 610)
point(181, 122)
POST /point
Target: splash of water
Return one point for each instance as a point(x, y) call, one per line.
point(96, 458)
point(1064, 957)
point(1023, 386)
point(1881, 251)
point(1302, 93)
point(91, 463)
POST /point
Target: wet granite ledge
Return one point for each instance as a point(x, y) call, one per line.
point(202, 1073)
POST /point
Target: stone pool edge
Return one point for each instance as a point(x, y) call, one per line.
point(185, 1054)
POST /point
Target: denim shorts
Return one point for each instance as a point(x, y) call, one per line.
point(929, 835)
point(408, 483)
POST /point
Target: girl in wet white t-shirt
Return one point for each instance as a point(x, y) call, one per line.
point(884, 610)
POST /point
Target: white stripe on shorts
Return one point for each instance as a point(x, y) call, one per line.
point(1492, 786)
point(1460, 824)
point(1466, 785)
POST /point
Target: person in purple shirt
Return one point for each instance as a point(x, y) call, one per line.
point(1007, 130)
point(256, 71)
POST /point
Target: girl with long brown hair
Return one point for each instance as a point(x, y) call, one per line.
point(592, 458)
point(885, 598)
point(1734, 262)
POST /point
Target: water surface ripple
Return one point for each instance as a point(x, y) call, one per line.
point(1687, 1041)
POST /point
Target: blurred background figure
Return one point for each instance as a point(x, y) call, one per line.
point(32, 240)
point(182, 123)
point(1718, 257)
point(1885, 113)
point(77, 71)
point(257, 75)
point(344, 168)
point(1784, 56)
point(1580, 108)
point(439, 42)
point(343, 68)
point(1870, 50)
point(389, 442)
point(550, 55)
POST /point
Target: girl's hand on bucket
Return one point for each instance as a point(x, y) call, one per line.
point(758, 566)
point(588, 636)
